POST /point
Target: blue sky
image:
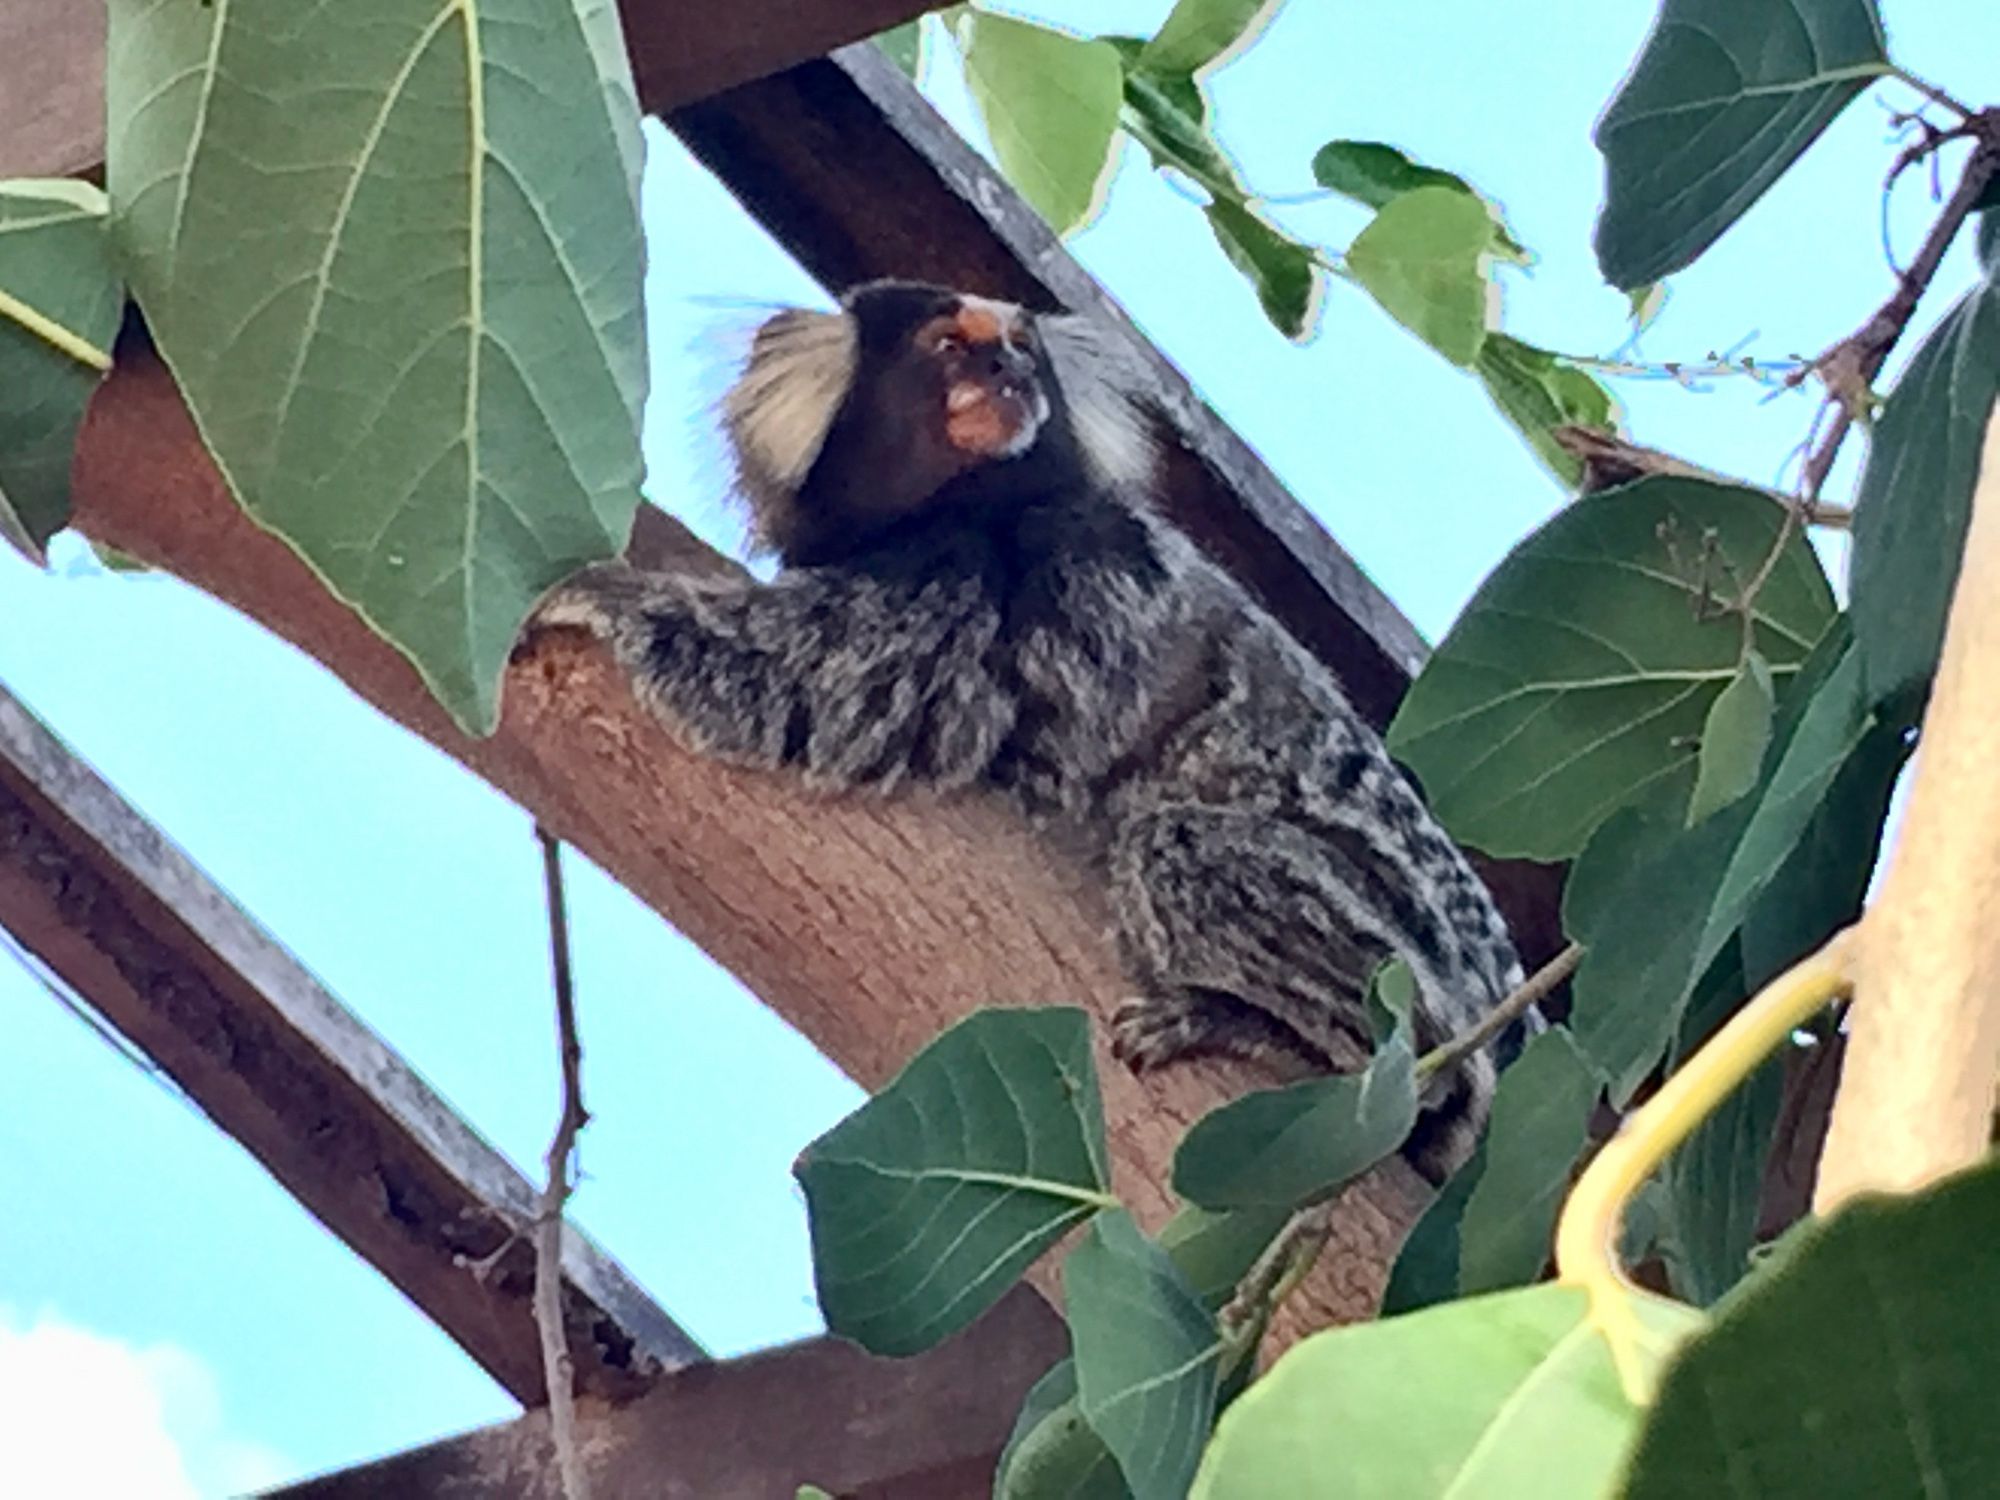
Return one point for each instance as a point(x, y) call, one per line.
point(139, 1240)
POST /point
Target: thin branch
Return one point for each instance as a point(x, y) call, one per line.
point(1931, 92)
point(1283, 1265)
point(1536, 988)
point(555, 1194)
point(1849, 368)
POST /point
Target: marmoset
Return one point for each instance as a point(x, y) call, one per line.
point(977, 591)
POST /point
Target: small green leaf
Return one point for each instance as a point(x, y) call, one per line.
point(1586, 663)
point(1861, 1362)
point(904, 45)
point(1504, 1395)
point(1283, 1147)
point(60, 297)
point(1198, 33)
point(1424, 258)
point(1916, 491)
point(1725, 96)
point(1278, 266)
point(1426, 1268)
point(1372, 173)
point(1540, 1123)
point(1147, 1356)
point(1054, 1454)
point(1538, 392)
point(392, 255)
point(811, 1492)
point(930, 1200)
point(1733, 739)
point(1168, 115)
point(1050, 102)
point(1645, 303)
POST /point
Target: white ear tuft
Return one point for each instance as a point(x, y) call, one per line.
point(1102, 391)
point(778, 413)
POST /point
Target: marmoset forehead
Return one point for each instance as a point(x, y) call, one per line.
point(980, 320)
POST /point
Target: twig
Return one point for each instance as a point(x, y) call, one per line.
point(555, 1193)
point(1931, 92)
point(1849, 368)
point(1282, 1266)
point(1536, 988)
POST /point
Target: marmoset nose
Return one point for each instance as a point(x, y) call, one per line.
point(1006, 364)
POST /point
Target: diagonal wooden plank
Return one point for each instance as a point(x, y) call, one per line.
point(104, 899)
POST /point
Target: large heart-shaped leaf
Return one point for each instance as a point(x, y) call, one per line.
point(1862, 1362)
point(1725, 96)
point(1583, 669)
point(1148, 1356)
point(1505, 1395)
point(59, 302)
point(930, 1200)
point(1916, 492)
point(392, 255)
point(1050, 102)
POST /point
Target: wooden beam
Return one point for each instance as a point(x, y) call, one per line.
point(126, 920)
point(756, 1428)
point(870, 926)
point(52, 63)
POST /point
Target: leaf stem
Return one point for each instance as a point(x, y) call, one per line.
point(1587, 1234)
point(1930, 91)
point(1536, 988)
point(54, 334)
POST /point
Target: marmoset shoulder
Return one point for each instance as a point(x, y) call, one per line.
point(977, 590)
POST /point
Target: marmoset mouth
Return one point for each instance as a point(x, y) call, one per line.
point(989, 422)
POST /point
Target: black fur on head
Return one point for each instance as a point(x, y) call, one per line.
point(915, 396)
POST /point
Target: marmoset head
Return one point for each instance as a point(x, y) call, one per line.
point(913, 396)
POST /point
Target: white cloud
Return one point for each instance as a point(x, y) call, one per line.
point(83, 1416)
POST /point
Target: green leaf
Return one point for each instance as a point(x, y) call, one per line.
point(1725, 96)
point(1916, 491)
point(904, 45)
point(1426, 1268)
point(1278, 266)
point(1050, 102)
point(1168, 115)
point(1861, 1362)
point(1215, 1250)
point(1645, 303)
point(1586, 663)
point(930, 1200)
point(1655, 902)
point(1538, 393)
point(1733, 739)
point(1054, 1454)
point(1715, 1185)
point(1372, 173)
point(392, 255)
point(1505, 1395)
point(1147, 1355)
point(1424, 258)
point(1639, 898)
point(1278, 1148)
point(60, 298)
point(1540, 1123)
point(1197, 33)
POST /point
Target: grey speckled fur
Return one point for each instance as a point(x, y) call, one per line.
point(1050, 640)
